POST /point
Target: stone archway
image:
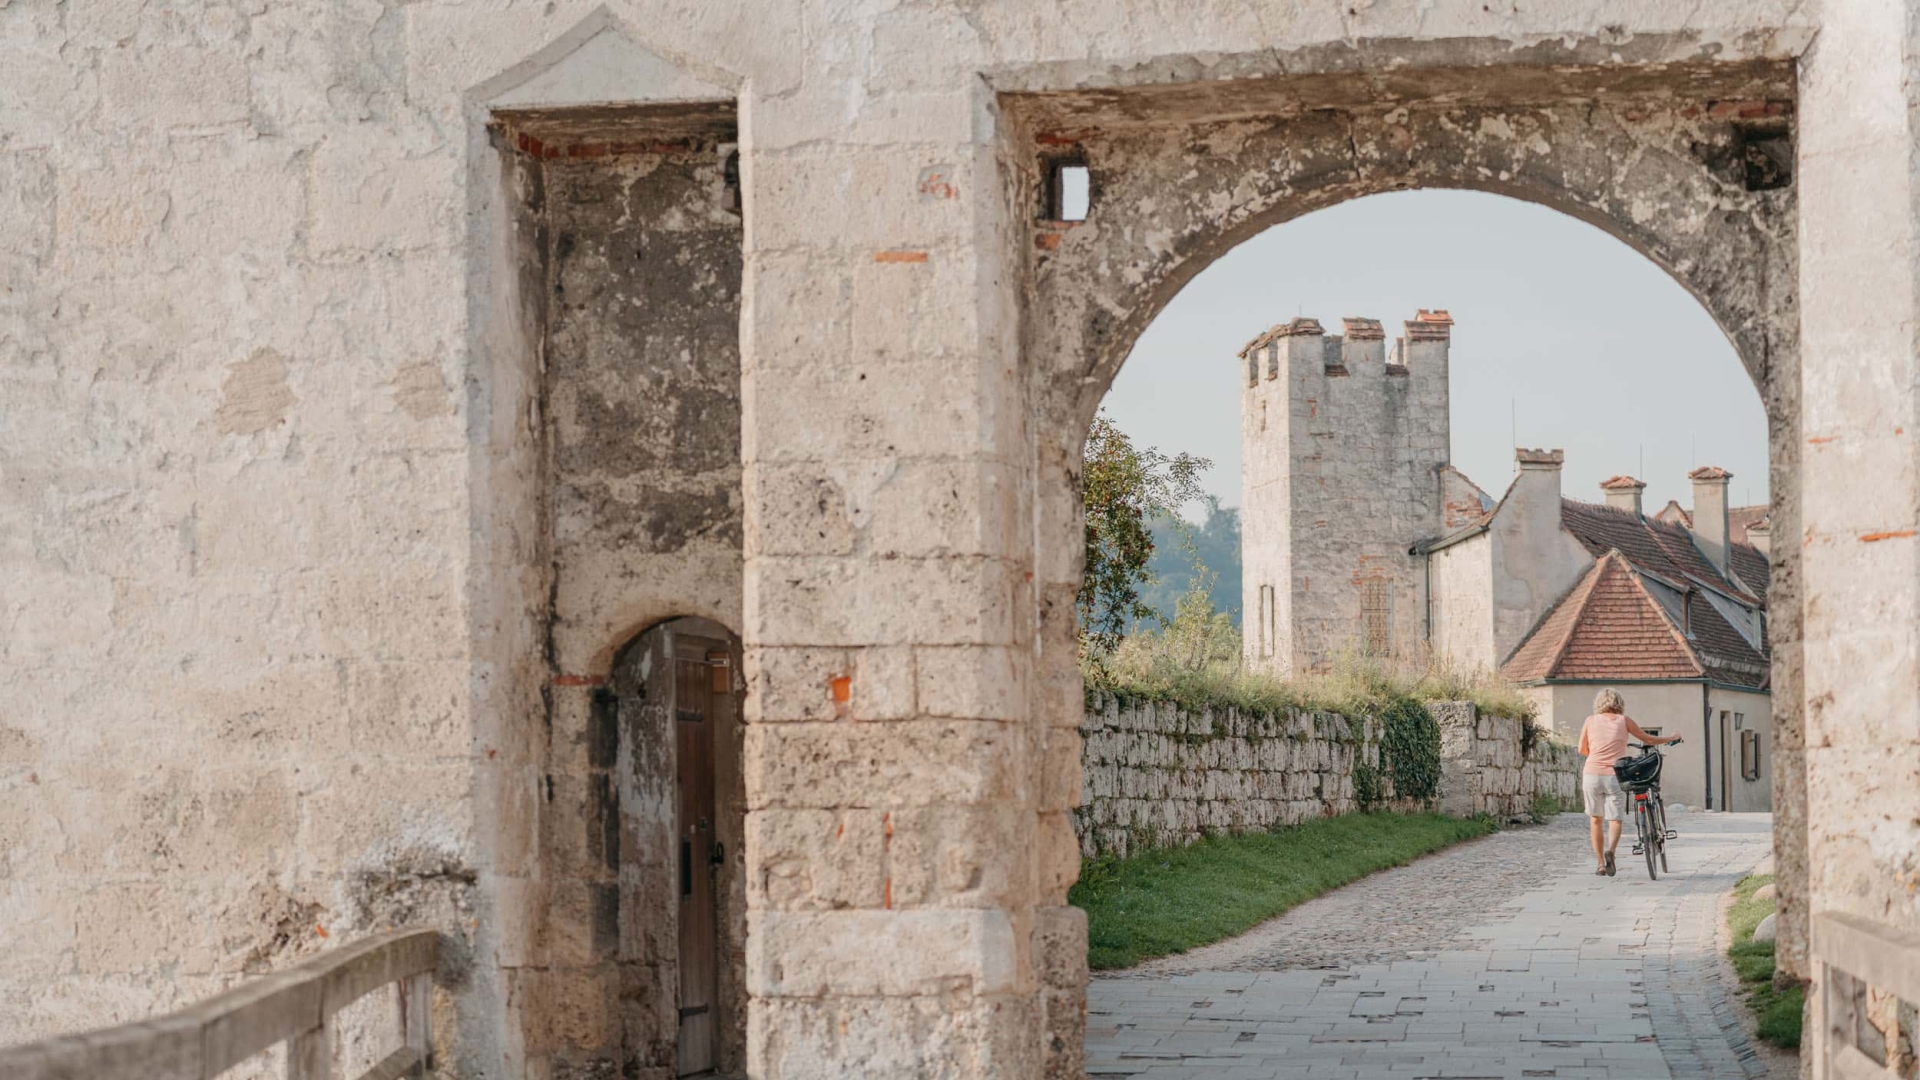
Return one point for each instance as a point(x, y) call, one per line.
point(1684, 165)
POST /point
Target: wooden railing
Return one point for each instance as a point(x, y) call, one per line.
point(296, 1006)
point(1851, 955)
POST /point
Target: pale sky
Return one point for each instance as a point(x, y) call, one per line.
point(1593, 347)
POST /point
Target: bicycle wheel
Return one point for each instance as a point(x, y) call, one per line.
point(1660, 830)
point(1643, 820)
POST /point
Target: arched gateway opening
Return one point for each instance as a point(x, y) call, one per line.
point(1683, 167)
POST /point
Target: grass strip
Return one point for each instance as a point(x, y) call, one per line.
point(1168, 901)
point(1778, 1011)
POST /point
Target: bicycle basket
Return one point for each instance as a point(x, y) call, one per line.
point(1638, 773)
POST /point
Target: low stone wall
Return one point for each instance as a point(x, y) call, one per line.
point(1159, 775)
point(1489, 764)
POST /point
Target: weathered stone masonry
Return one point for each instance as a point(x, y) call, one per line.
point(273, 458)
point(1158, 774)
point(1498, 766)
point(1657, 160)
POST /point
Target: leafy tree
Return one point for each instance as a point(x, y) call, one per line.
point(1181, 551)
point(1125, 487)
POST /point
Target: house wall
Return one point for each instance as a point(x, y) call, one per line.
point(1757, 710)
point(640, 369)
point(1534, 560)
point(1660, 708)
point(1462, 601)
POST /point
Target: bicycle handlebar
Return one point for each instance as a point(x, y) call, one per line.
point(1675, 741)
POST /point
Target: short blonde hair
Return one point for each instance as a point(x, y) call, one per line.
point(1609, 701)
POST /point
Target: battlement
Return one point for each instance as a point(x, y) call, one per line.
point(1359, 329)
point(1360, 347)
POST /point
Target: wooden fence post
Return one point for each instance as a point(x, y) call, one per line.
point(310, 1053)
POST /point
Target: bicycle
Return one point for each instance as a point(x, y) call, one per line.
point(1640, 777)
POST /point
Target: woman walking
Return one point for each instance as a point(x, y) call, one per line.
point(1603, 739)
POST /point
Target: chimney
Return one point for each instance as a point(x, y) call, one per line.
point(1537, 488)
point(1545, 460)
point(1710, 513)
point(1758, 534)
point(1623, 493)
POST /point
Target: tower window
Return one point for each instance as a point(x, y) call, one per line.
point(1266, 620)
point(1376, 615)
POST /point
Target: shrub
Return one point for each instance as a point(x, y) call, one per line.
point(1547, 806)
point(1194, 660)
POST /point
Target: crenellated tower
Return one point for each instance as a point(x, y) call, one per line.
point(1342, 440)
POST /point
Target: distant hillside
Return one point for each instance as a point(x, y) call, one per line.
point(1215, 542)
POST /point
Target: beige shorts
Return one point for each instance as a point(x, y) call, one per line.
point(1604, 796)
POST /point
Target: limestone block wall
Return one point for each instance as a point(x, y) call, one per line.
point(273, 454)
point(1488, 764)
point(1158, 774)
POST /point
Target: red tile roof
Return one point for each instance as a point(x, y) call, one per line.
point(1609, 626)
point(1752, 567)
point(1662, 548)
point(1645, 568)
point(1434, 325)
point(1622, 483)
point(1742, 518)
point(1709, 472)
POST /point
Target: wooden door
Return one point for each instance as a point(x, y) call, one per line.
point(693, 715)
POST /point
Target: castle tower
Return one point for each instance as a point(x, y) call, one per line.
point(1341, 443)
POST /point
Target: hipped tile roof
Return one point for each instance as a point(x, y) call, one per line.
point(1753, 569)
point(1739, 518)
point(1607, 627)
point(1640, 612)
point(1657, 547)
point(1742, 518)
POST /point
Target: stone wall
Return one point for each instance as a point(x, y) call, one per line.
point(272, 426)
point(1158, 774)
point(1488, 765)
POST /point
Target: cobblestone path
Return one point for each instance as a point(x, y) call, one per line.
point(1501, 958)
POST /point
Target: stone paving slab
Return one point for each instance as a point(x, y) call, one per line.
point(1571, 976)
